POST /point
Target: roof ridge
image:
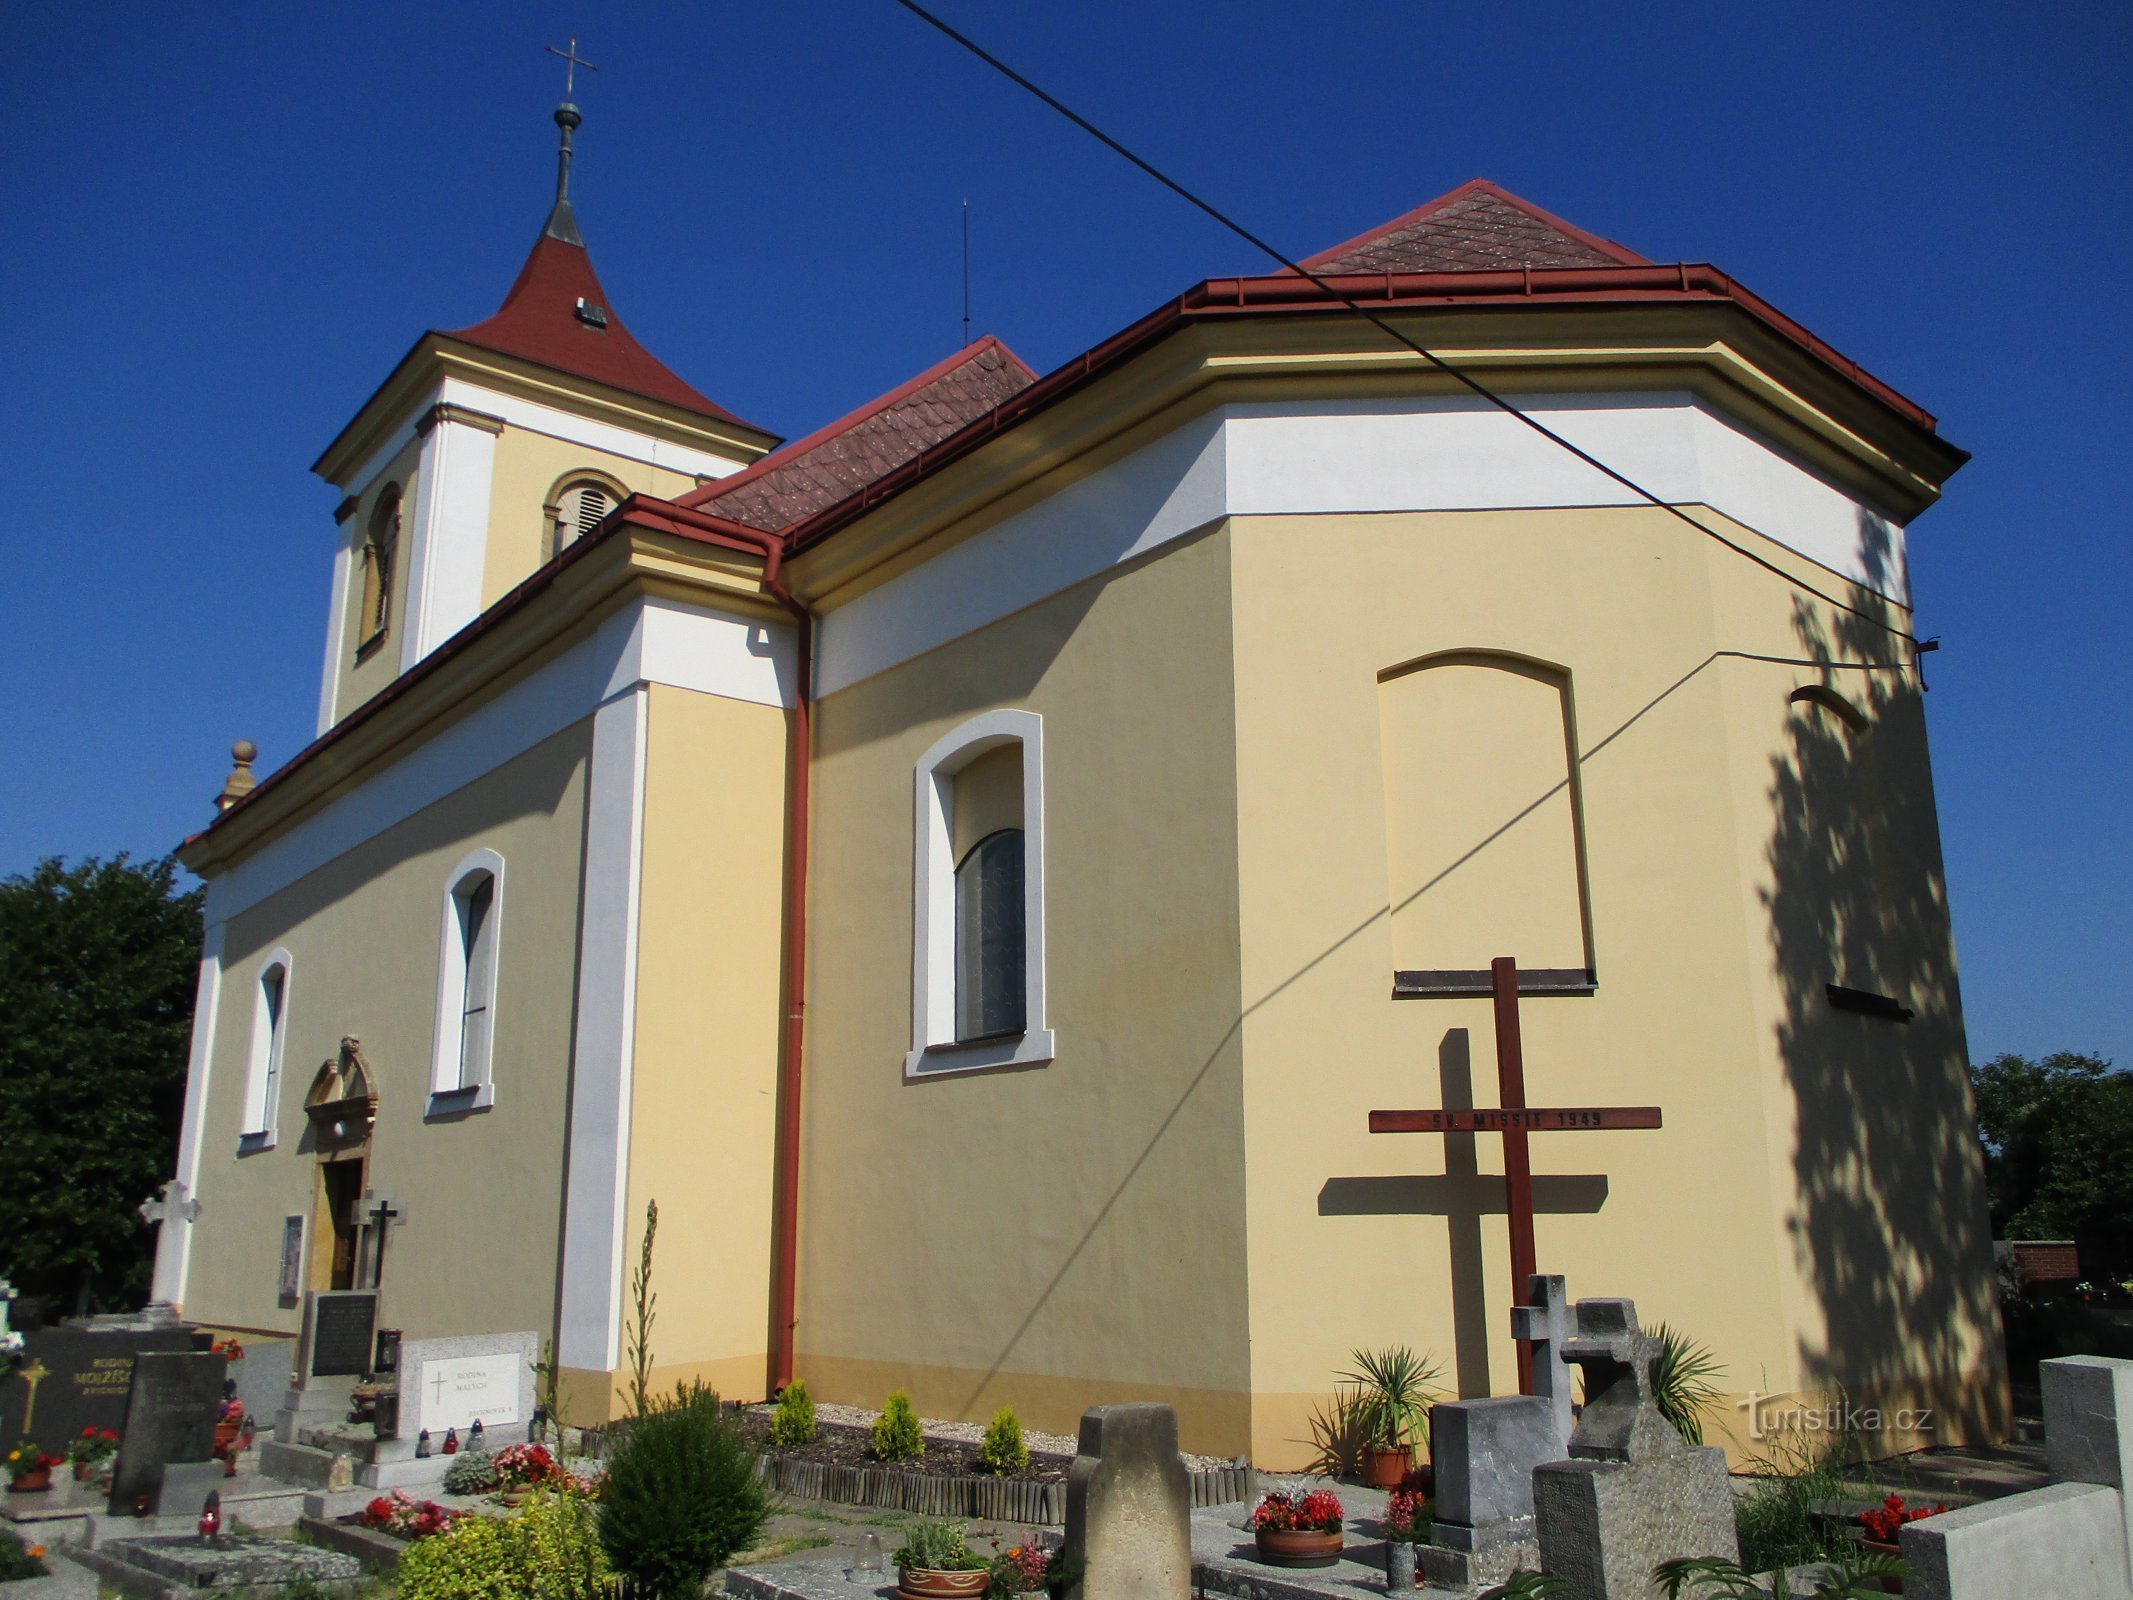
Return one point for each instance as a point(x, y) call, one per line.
point(1621, 255)
point(785, 455)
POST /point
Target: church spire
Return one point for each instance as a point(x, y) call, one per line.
point(562, 221)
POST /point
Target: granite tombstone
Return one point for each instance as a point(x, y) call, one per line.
point(69, 1379)
point(171, 1408)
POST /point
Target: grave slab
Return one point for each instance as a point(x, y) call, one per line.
point(2067, 1541)
point(183, 1567)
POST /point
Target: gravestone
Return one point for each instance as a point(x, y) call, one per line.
point(171, 1409)
point(1546, 1323)
point(1484, 1453)
point(1632, 1494)
point(332, 1351)
point(73, 1378)
point(454, 1383)
point(1129, 1506)
point(183, 1564)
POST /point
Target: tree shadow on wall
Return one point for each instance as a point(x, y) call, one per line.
point(1890, 1231)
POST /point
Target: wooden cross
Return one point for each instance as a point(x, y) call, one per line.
point(1515, 1120)
point(573, 61)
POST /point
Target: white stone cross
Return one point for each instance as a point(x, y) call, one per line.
point(175, 1203)
point(1547, 1322)
point(10, 1341)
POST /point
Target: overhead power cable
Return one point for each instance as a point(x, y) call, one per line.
point(1457, 374)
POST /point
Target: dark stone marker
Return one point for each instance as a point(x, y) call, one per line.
point(342, 1328)
point(82, 1379)
point(170, 1417)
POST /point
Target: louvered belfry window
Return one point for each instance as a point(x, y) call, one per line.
point(579, 511)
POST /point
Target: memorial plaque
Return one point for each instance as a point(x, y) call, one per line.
point(292, 1258)
point(170, 1417)
point(73, 1378)
point(343, 1324)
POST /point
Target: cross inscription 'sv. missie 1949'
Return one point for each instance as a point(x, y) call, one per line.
point(1515, 1120)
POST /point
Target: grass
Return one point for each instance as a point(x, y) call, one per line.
point(781, 1546)
point(1777, 1517)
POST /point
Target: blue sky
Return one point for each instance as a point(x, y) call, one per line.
point(226, 224)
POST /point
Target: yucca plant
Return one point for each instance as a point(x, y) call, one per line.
point(1855, 1577)
point(1682, 1385)
point(1526, 1584)
point(1396, 1387)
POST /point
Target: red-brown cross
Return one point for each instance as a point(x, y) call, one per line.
point(1515, 1120)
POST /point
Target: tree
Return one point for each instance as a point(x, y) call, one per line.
point(2058, 1138)
point(97, 970)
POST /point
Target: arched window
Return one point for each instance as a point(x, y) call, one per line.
point(577, 506)
point(977, 983)
point(262, 1086)
point(460, 1074)
point(381, 546)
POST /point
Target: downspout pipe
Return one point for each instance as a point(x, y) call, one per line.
point(786, 1212)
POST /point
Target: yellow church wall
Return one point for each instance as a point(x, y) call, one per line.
point(362, 678)
point(1361, 1240)
point(529, 465)
point(705, 1082)
point(1055, 1236)
point(482, 1192)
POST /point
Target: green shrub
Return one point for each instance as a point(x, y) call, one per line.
point(16, 1561)
point(897, 1436)
point(471, 1472)
point(1004, 1449)
point(681, 1495)
point(793, 1423)
point(549, 1551)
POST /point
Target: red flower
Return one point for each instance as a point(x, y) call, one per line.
point(1886, 1520)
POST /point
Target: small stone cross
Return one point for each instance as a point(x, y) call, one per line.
point(1546, 1321)
point(175, 1203)
point(10, 1341)
point(1621, 1421)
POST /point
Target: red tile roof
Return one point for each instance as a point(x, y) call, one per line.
point(814, 473)
point(539, 322)
point(1478, 227)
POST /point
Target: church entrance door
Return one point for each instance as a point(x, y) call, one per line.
point(343, 1181)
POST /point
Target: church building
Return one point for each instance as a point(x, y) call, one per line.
point(978, 866)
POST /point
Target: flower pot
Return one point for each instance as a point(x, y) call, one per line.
point(82, 1469)
point(30, 1482)
point(1399, 1566)
point(226, 1434)
point(1385, 1465)
point(512, 1497)
point(1881, 1548)
point(1298, 1547)
point(930, 1583)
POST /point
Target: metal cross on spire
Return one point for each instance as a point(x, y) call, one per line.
point(572, 61)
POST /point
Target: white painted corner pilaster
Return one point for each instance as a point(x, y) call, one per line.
point(451, 535)
point(174, 1238)
point(595, 1225)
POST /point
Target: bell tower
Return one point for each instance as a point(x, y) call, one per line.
point(490, 449)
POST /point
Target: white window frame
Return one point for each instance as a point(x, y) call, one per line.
point(264, 1067)
point(934, 1050)
point(449, 1092)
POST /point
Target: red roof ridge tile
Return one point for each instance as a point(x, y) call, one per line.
point(1474, 188)
point(539, 322)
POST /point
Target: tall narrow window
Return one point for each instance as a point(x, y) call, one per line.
point(990, 992)
point(262, 1092)
point(461, 1075)
point(381, 545)
point(977, 989)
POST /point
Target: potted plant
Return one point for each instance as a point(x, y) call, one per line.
point(1018, 1570)
point(934, 1563)
point(90, 1451)
point(29, 1469)
point(523, 1467)
point(229, 1419)
point(1293, 1531)
point(1394, 1388)
point(1406, 1524)
point(1881, 1525)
